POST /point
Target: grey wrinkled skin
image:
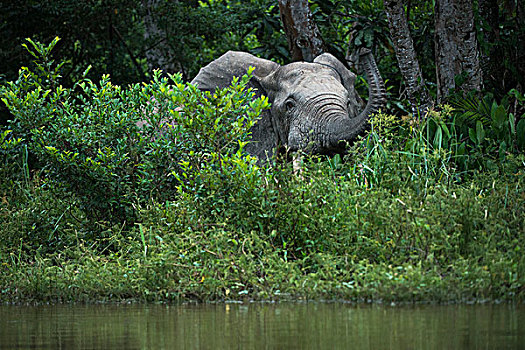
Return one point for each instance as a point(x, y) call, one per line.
point(315, 107)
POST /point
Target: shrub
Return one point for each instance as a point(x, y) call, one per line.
point(118, 147)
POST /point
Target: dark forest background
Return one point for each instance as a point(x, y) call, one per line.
point(129, 38)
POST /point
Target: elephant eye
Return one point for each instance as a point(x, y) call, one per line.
point(289, 104)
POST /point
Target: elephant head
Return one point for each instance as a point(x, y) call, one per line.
point(315, 107)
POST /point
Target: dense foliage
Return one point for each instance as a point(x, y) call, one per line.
point(143, 192)
point(119, 181)
point(113, 36)
point(116, 147)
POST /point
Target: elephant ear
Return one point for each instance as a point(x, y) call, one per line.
point(219, 73)
point(347, 79)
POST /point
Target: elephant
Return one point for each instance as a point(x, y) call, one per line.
point(314, 105)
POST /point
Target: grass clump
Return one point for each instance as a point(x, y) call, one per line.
point(99, 204)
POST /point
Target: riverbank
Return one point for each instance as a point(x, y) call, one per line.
point(97, 205)
point(322, 236)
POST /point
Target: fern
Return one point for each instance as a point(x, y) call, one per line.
point(474, 109)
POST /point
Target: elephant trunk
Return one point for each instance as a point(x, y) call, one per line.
point(376, 86)
point(376, 98)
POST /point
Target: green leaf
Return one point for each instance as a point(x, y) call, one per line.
point(472, 135)
point(512, 123)
point(520, 133)
point(461, 149)
point(502, 150)
point(438, 138)
point(480, 133)
point(445, 129)
point(499, 116)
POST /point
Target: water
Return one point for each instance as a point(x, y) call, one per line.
point(262, 326)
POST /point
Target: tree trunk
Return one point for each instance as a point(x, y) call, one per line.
point(304, 39)
point(457, 51)
point(159, 53)
point(417, 92)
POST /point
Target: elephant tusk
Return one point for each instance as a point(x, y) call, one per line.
point(297, 163)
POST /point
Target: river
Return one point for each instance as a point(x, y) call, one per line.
point(262, 326)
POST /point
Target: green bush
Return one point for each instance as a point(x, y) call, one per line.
point(488, 129)
point(13, 158)
point(117, 147)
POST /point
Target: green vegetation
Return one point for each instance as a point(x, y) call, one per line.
point(143, 193)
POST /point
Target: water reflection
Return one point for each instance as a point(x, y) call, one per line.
point(262, 326)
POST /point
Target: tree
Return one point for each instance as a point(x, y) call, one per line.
point(457, 52)
point(304, 38)
point(457, 58)
point(406, 55)
point(159, 52)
